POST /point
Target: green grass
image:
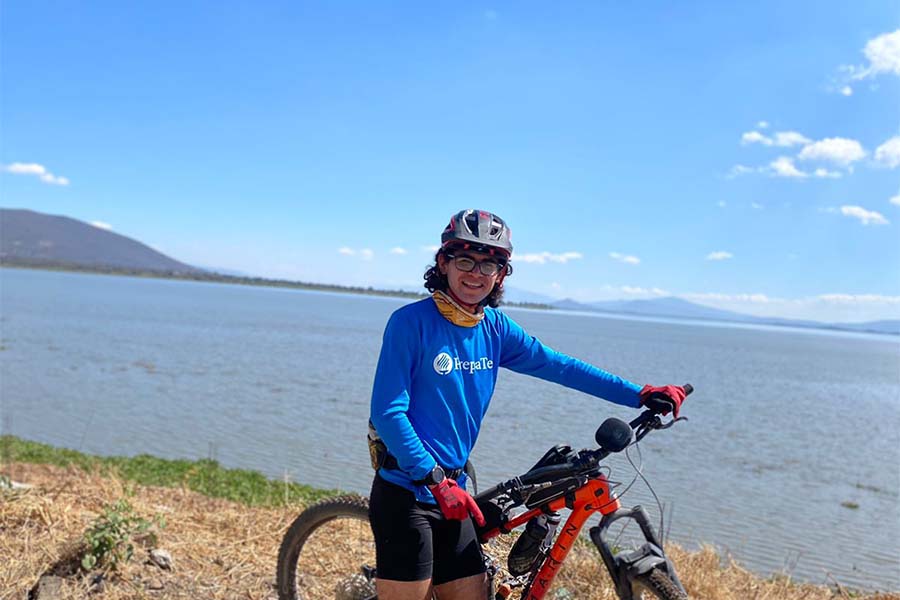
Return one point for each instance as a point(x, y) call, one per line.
point(203, 476)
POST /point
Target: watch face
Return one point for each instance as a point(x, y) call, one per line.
point(437, 475)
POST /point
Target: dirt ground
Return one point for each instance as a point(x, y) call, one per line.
point(223, 550)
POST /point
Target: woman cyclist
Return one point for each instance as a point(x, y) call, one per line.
point(436, 374)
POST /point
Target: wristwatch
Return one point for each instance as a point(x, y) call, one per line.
point(435, 476)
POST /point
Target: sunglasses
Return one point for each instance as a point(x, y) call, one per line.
point(467, 264)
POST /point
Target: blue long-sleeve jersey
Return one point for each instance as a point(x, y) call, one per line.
point(435, 380)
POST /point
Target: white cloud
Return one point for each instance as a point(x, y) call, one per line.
point(431, 249)
point(625, 258)
point(37, 170)
point(826, 174)
point(54, 180)
point(895, 200)
point(883, 57)
point(545, 257)
point(101, 225)
point(825, 307)
point(866, 217)
point(763, 124)
point(786, 139)
point(346, 251)
point(888, 154)
point(366, 254)
point(719, 255)
point(399, 250)
point(737, 170)
point(25, 169)
point(554, 285)
point(755, 137)
point(783, 139)
point(783, 166)
point(883, 54)
point(714, 297)
point(858, 299)
point(639, 291)
point(841, 151)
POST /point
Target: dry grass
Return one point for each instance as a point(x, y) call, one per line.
point(225, 550)
point(220, 549)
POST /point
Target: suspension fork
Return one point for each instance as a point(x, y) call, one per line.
point(625, 566)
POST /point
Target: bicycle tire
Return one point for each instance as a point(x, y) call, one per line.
point(328, 553)
point(658, 583)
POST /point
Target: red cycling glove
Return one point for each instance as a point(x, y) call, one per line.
point(661, 399)
point(455, 502)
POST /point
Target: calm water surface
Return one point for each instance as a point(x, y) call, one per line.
point(784, 427)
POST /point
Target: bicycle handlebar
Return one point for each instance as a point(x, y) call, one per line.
point(567, 469)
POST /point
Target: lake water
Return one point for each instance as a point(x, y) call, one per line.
point(785, 426)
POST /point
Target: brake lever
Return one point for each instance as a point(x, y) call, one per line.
point(670, 423)
point(654, 423)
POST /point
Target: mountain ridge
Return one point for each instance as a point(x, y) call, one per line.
point(32, 239)
point(678, 308)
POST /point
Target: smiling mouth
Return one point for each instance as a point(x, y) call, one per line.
point(473, 286)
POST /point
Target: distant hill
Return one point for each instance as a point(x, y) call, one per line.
point(31, 238)
point(669, 306)
point(518, 295)
point(682, 309)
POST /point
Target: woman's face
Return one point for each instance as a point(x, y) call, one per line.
point(470, 287)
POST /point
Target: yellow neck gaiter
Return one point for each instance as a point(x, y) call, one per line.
point(453, 312)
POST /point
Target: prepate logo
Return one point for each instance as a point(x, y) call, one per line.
point(443, 363)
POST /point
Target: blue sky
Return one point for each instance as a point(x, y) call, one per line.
point(741, 155)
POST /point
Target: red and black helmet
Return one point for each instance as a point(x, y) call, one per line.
point(478, 230)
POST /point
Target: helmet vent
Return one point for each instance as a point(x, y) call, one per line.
point(471, 222)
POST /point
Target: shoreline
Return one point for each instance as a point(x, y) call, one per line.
point(208, 277)
point(249, 492)
point(204, 476)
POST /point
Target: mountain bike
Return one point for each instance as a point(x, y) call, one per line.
point(328, 552)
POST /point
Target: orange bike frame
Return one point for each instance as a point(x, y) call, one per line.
point(594, 496)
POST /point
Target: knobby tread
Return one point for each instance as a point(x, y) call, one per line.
point(661, 585)
point(312, 518)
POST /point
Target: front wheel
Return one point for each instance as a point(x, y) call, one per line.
point(328, 553)
point(656, 583)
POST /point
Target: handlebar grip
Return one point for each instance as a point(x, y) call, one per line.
point(490, 494)
point(688, 388)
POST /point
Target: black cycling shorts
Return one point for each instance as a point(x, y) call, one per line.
point(414, 542)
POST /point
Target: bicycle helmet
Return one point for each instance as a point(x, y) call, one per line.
point(478, 230)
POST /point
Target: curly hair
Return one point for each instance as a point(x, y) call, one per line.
point(437, 281)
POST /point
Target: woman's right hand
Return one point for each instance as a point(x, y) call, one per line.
point(455, 502)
